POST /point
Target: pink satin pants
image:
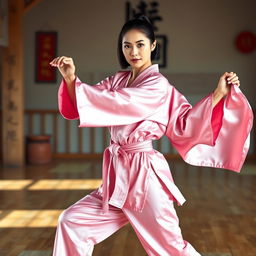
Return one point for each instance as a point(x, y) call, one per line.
point(83, 225)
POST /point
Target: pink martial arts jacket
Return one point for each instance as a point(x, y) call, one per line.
point(147, 109)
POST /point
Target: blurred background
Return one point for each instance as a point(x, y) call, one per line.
point(199, 41)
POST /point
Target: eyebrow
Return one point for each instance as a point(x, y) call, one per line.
point(135, 42)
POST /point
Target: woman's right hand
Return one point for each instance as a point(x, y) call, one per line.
point(66, 67)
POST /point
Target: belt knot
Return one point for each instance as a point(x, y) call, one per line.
point(140, 146)
point(121, 163)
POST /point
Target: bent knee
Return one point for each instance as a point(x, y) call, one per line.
point(65, 216)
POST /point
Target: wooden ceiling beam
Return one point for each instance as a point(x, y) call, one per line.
point(31, 4)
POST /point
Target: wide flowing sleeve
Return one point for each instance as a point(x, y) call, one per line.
point(68, 107)
point(99, 107)
point(214, 137)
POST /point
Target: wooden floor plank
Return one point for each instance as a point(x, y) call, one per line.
point(219, 217)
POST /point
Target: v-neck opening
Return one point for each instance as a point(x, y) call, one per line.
point(129, 76)
point(130, 73)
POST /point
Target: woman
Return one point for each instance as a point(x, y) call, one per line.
point(138, 106)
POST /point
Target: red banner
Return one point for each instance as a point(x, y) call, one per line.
point(46, 51)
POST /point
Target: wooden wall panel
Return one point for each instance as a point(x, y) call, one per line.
point(12, 89)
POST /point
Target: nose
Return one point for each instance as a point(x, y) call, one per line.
point(134, 51)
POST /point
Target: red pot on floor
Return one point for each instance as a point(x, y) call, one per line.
point(39, 149)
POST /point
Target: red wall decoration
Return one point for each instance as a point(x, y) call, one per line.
point(246, 42)
point(46, 51)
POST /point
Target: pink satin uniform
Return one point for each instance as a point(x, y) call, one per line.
point(137, 183)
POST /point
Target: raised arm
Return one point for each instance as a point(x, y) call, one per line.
point(67, 69)
point(215, 132)
point(99, 107)
point(104, 104)
point(223, 86)
point(67, 91)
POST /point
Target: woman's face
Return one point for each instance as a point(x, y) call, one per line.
point(137, 49)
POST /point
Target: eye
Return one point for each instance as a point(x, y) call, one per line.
point(126, 46)
point(140, 45)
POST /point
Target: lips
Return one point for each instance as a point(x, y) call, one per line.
point(135, 60)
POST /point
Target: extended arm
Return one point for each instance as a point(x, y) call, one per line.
point(104, 104)
point(215, 132)
point(223, 87)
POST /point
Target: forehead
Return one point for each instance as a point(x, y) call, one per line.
point(134, 35)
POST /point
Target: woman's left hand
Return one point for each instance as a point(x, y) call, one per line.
point(225, 82)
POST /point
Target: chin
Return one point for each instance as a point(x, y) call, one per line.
point(136, 65)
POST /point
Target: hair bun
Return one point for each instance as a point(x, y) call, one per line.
point(143, 18)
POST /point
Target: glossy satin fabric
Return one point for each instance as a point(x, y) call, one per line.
point(137, 183)
point(83, 225)
point(150, 108)
point(227, 146)
point(118, 155)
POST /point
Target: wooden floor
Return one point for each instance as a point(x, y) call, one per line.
point(219, 217)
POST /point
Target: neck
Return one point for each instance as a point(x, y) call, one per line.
point(136, 71)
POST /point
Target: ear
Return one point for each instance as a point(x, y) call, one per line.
point(153, 46)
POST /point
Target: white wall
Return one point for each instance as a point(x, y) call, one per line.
point(201, 42)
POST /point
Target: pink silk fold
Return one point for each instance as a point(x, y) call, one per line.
point(228, 146)
point(121, 164)
point(147, 110)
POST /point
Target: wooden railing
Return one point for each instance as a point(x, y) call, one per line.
point(67, 140)
point(70, 141)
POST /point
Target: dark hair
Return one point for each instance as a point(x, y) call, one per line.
point(143, 24)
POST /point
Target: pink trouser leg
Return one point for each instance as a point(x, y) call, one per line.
point(157, 226)
point(83, 224)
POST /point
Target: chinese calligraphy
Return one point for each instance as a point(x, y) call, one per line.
point(46, 47)
point(12, 142)
point(11, 117)
point(150, 10)
point(142, 8)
